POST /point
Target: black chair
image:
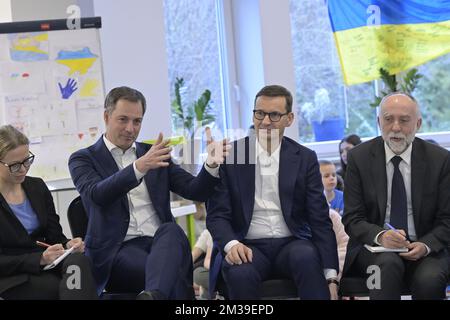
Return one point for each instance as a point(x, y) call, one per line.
point(78, 220)
point(278, 289)
point(78, 223)
point(353, 287)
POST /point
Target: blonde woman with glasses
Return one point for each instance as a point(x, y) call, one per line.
point(30, 234)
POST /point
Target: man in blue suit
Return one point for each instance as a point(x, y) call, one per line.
point(132, 238)
point(269, 217)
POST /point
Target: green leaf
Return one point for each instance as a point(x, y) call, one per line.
point(376, 103)
point(200, 110)
point(179, 83)
point(201, 104)
point(389, 80)
point(410, 82)
point(177, 110)
point(189, 123)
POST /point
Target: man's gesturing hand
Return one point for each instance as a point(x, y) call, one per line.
point(156, 157)
point(217, 150)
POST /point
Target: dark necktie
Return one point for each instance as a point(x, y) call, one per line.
point(399, 209)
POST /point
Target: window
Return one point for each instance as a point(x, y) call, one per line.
point(432, 94)
point(322, 97)
point(193, 53)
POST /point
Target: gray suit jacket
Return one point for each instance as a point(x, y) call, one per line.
point(365, 195)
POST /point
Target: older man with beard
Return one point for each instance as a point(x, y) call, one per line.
point(400, 181)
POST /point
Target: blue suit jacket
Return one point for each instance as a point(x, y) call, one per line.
point(103, 189)
point(303, 203)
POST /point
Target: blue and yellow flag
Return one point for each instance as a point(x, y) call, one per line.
point(392, 34)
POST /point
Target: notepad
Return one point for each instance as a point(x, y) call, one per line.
point(379, 249)
point(59, 259)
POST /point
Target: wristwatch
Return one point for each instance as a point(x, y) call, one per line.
point(206, 163)
point(333, 281)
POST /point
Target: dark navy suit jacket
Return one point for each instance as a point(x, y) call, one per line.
point(303, 203)
point(103, 189)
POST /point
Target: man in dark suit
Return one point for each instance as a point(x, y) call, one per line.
point(269, 217)
point(403, 181)
point(132, 238)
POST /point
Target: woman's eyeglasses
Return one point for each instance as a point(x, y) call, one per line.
point(15, 167)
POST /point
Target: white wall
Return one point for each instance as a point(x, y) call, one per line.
point(277, 50)
point(134, 54)
point(263, 51)
point(5, 11)
point(248, 54)
point(26, 10)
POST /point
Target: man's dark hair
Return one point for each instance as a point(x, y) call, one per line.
point(276, 91)
point(125, 93)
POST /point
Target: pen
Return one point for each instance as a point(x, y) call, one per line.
point(43, 244)
point(393, 229)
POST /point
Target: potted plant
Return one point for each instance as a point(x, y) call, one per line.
point(325, 118)
point(191, 119)
point(391, 84)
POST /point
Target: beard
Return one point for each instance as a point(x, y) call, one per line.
point(398, 147)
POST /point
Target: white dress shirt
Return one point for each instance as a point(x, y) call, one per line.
point(405, 169)
point(143, 218)
point(267, 219)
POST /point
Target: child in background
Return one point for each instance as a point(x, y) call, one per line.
point(341, 239)
point(201, 256)
point(335, 198)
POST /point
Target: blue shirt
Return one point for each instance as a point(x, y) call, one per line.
point(337, 203)
point(26, 215)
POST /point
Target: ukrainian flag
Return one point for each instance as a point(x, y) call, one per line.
point(392, 34)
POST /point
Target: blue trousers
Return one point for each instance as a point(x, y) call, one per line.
point(162, 263)
point(289, 258)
